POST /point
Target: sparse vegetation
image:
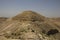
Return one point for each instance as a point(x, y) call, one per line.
point(33, 31)
point(52, 32)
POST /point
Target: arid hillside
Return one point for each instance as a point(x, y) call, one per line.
point(55, 21)
point(30, 25)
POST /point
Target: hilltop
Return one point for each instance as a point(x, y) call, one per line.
point(29, 16)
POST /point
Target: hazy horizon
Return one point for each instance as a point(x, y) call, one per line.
point(48, 8)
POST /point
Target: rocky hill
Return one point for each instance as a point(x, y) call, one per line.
point(29, 25)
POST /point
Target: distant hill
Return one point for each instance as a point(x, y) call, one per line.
point(2, 20)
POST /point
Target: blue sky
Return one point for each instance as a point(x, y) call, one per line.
point(48, 8)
